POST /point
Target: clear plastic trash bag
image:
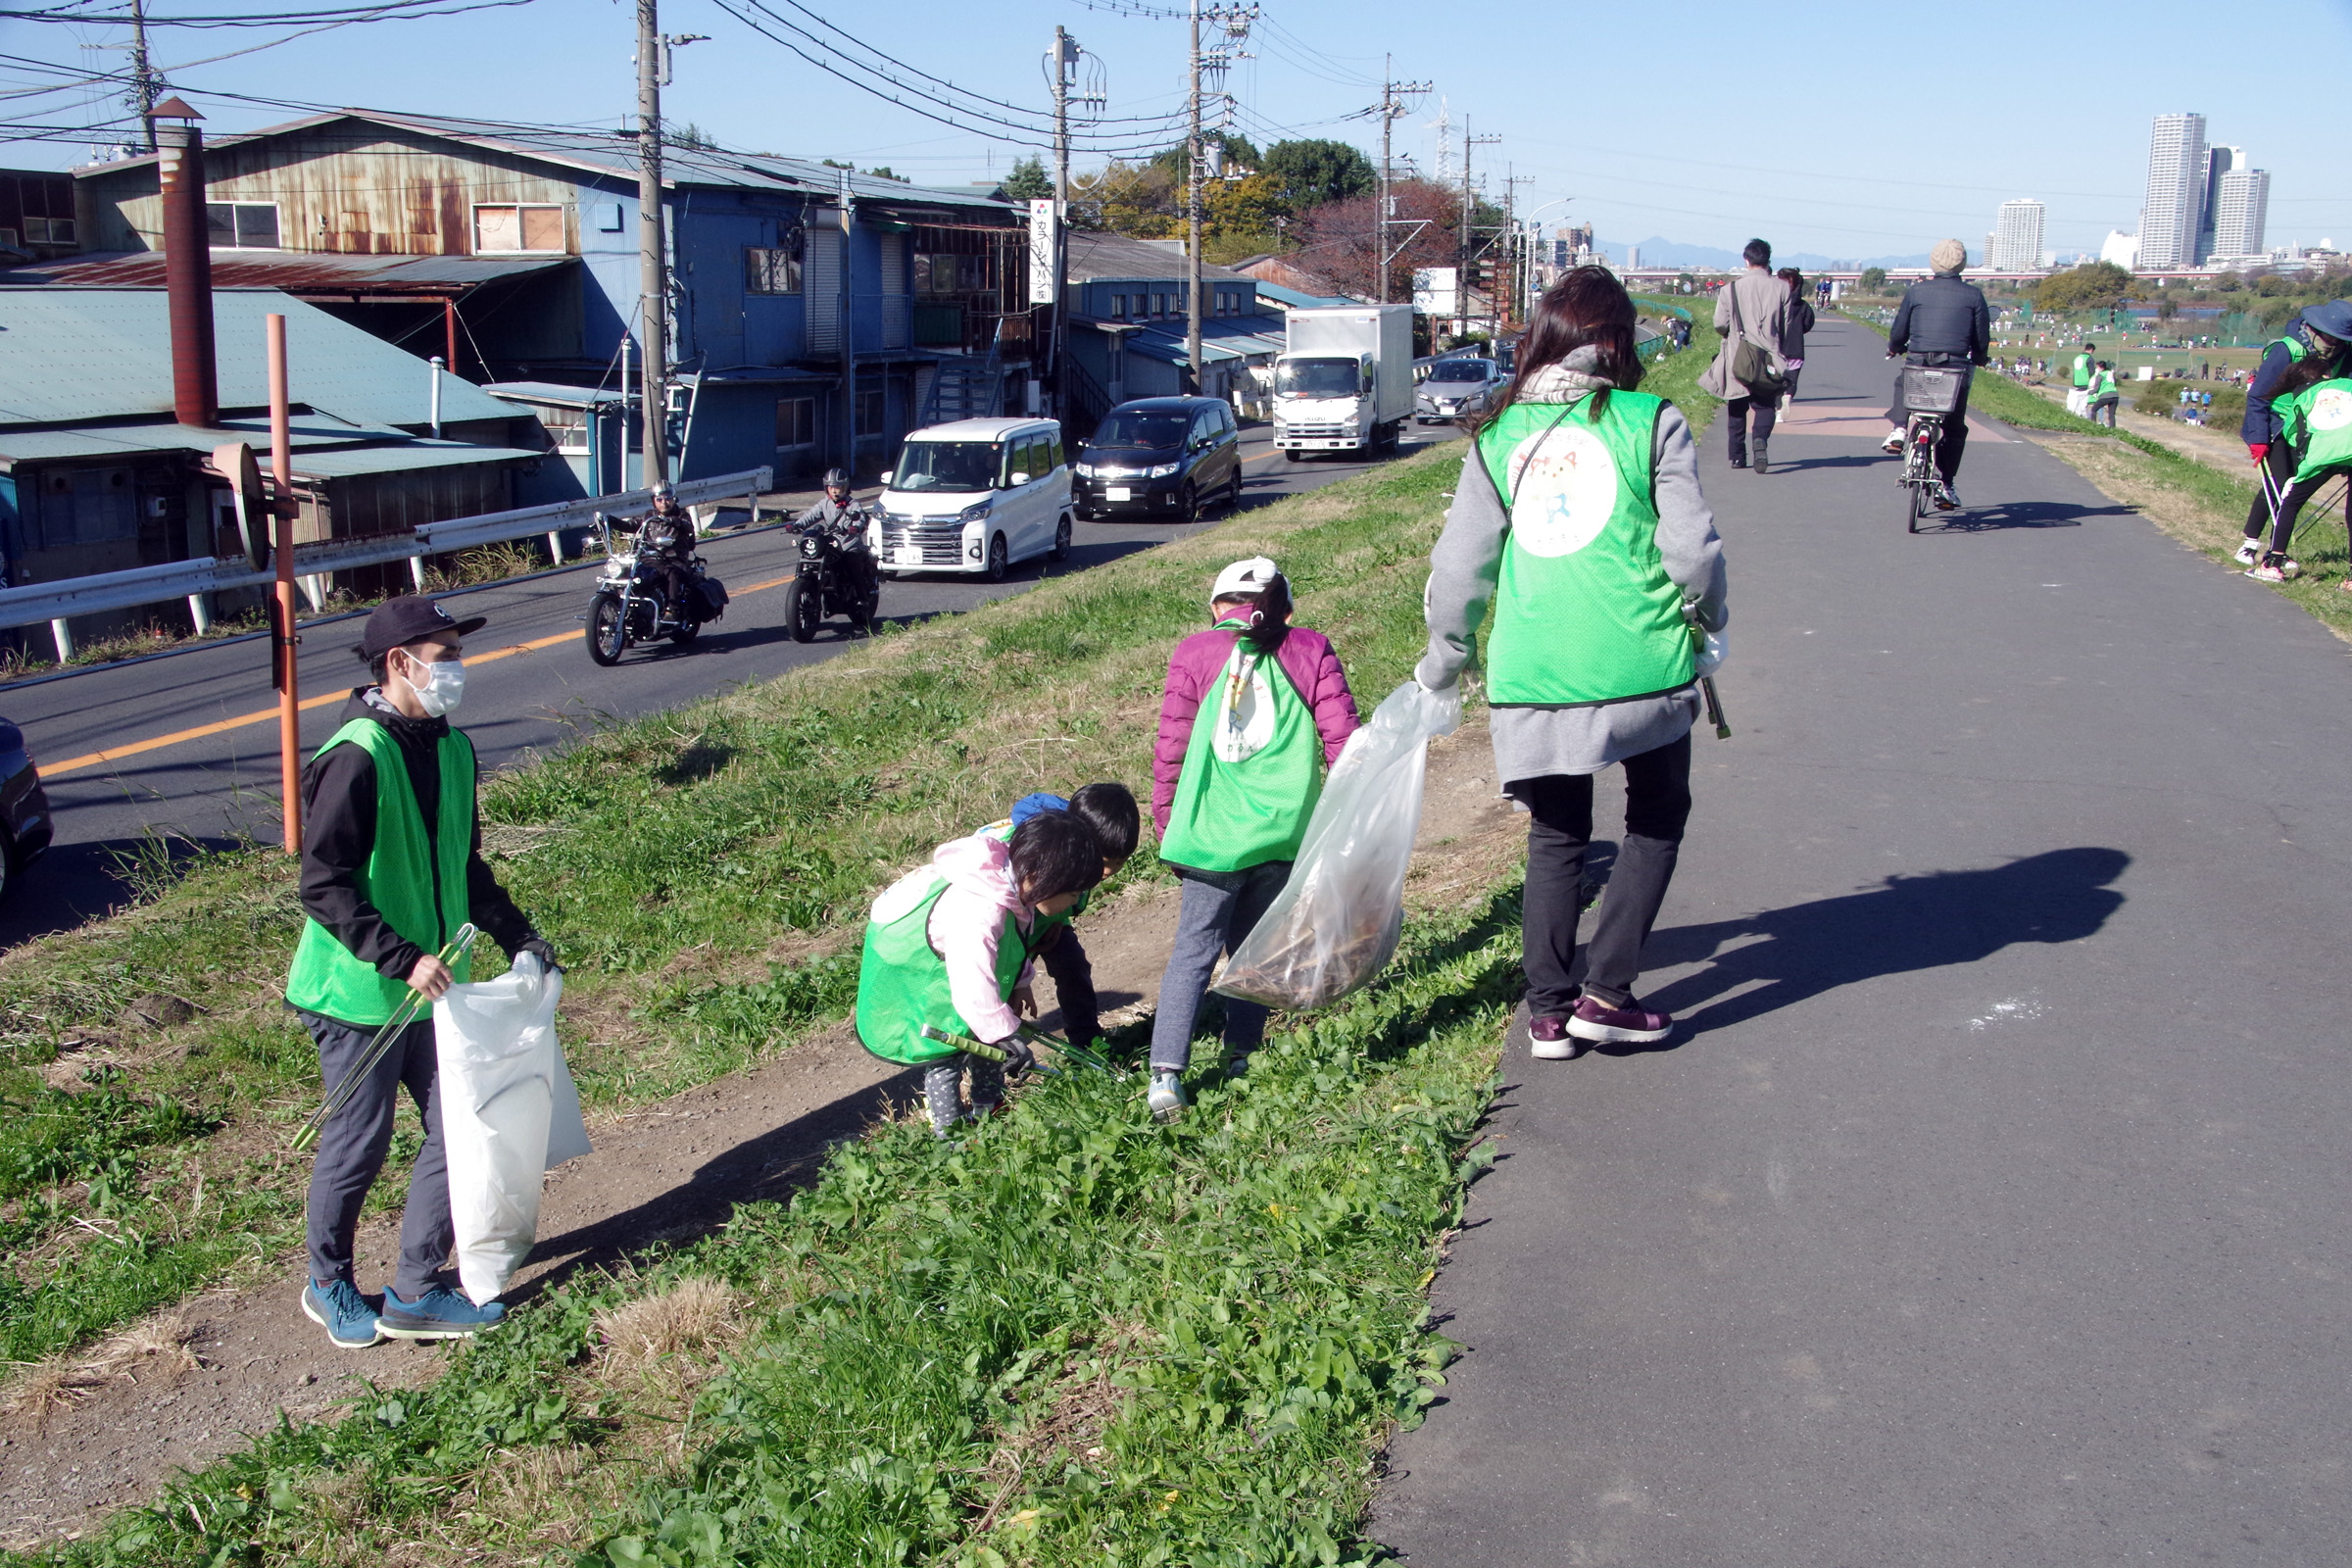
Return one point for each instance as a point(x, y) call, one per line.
point(1335, 923)
point(510, 1114)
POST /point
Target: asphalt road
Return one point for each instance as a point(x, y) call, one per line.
point(1990, 1205)
point(530, 686)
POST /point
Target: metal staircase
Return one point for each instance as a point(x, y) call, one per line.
point(966, 388)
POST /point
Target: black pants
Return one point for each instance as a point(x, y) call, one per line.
point(353, 1144)
point(2271, 486)
point(2297, 496)
point(1954, 440)
point(1073, 977)
point(1658, 804)
point(1763, 411)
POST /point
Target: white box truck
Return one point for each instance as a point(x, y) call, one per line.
point(1344, 381)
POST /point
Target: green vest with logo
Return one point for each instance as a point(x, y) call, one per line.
point(2081, 371)
point(2319, 426)
point(1583, 611)
point(903, 978)
point(416, 882)
point(1252, 769)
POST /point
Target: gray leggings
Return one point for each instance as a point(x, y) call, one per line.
point(1219, 909)
point(941, 1086)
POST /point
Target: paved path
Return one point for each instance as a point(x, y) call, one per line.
point(215, 770)
point(1991, 1206)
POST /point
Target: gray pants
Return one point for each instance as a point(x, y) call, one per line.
point(354, 1143)
point(1219, 909)
point(942, 1089)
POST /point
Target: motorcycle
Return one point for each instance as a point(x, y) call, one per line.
point(837, 576)
point(631, 602)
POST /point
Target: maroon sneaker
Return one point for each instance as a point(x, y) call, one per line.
point(1617, 1026)
point(1549, 1039)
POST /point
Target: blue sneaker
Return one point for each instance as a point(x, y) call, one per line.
point(338, 1308)
point(440, 1313)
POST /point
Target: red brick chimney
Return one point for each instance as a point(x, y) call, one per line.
point(188, 265)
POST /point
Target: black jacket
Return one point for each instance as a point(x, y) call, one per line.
point(1944, 316)
point(338, 834)
point(2262, 424)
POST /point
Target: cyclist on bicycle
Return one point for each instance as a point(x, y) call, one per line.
point(1941, 322)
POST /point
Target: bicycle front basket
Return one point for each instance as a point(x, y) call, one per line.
point(1928, 389)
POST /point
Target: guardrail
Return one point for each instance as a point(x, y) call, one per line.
point(55, 601)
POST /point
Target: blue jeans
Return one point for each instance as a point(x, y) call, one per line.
point(1219, 909)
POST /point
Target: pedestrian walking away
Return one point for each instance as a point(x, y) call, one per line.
point(1792, 337)
point(391, 870)
point(2317, 347)
point(1750, 371)
point(1945, 322)
point(1580, 520)
point(1253, 710)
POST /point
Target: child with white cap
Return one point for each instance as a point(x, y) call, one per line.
point(1253, 712)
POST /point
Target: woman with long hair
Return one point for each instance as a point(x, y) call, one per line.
point(1579, 522)
point(1792, 335)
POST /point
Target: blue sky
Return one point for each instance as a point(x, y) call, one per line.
point(1839, 128)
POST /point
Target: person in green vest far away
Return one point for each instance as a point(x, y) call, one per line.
point(1253, 710)
point(391, 867)
point(2316, 348)
point(949, 948)
point(2085, 368)
point(2104, 397)
point(1579, 520)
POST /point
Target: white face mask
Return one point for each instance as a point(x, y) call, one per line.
point(441, 690)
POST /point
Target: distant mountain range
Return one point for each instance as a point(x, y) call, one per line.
point(1660, 252)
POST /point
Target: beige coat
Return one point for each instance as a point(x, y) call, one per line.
point(1763, 315)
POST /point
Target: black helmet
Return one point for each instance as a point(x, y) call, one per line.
point(837, 478)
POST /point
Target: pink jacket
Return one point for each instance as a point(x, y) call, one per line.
point(968, 927)
point(1305, 655)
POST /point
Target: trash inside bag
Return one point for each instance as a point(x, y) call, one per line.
point(1336, 922)
point(509, 1114)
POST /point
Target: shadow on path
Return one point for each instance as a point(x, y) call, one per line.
point(1930, 921)
point(2023, 515)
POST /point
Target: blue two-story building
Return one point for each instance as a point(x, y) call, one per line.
point(816, 312)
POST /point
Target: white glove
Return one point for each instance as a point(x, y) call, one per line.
point(1711, 654)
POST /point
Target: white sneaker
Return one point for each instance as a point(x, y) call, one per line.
point(1893, 445)
point(2248, 553)
point(1948, 494)
point(1167, 1097)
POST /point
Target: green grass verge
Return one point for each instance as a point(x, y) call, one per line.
point(1675, 376)
point(1073, 1338)
point(701, 870)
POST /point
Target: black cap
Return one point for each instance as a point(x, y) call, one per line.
point(397, 621)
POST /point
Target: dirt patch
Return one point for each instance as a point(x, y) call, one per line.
point(189, 1385)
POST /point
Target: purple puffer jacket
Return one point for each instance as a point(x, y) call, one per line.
point(1305, 655)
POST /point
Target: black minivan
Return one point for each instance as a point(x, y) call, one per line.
point(1160, 458)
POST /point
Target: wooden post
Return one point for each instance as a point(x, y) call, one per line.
point(281, 469)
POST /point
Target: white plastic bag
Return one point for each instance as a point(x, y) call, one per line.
point(1336, 922)
point(509, 1114)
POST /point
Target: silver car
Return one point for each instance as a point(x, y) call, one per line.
point(1457, 388)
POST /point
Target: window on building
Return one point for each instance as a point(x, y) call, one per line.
point(518, 227)
point(771, 271)
point(1118, 306)
point(242, 226)
point(869, 411)
point(60, 230)
point(567, 428)
point(1159, 305)
point(796, 421)
point(945, 273)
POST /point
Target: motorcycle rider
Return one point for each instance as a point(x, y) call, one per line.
point(1941, 322)
point(844, 519)
point(668, 531)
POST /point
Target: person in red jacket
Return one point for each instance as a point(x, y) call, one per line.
point(1254, 710)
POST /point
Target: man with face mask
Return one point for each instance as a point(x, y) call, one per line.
point(391, 867)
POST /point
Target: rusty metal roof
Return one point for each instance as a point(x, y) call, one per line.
point(304, 274)
point(74, 356)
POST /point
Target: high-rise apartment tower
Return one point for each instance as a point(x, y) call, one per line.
point(2178, 169)
point(2015, 237)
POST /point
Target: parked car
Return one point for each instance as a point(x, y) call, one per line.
point(25, 826)
point(1162, 458)
point(1456, 389)
point(974, 497)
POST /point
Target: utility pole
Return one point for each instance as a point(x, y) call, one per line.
point(849, 324)
point(1393, 94)
point(144, 83)
point(1469, 235)
point(1511, 237)
point(653, 281)
point(1236, 21)
point(1065, 56)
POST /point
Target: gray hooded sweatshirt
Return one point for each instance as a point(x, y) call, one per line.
point(1533, 741)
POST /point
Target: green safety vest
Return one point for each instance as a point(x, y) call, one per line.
point(2295, 355)
point(2103, 385)
point(418, 885)
point(2319, 426)
point(1252, 769)
point(1583, 611)
point(903, 978)
point(2081, 371)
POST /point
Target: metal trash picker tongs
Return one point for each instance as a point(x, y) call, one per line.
point(340, 1096)
point(1080, 1054)
point(1706, 683)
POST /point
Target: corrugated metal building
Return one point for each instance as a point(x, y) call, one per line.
point(97, 476)
point(760, 290)
point(1129, 301)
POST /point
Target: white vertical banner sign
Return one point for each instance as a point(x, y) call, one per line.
point(1044, 281)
